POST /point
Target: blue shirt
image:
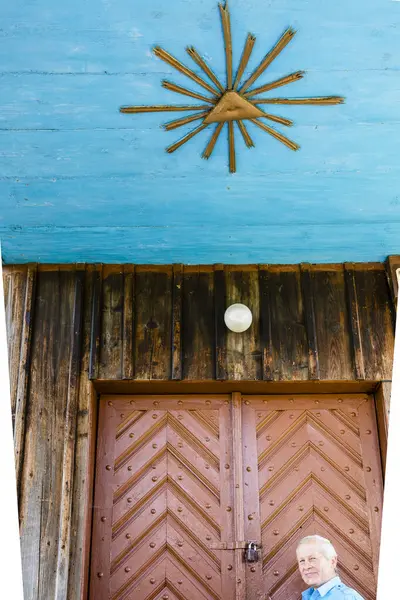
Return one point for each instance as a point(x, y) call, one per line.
point(333, 589)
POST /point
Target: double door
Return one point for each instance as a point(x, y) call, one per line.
point(184, 483)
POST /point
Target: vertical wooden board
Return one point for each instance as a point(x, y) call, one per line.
point(112, 321)
point(288, 333)
point(354, 321)
point(41, 487)
point(252, 517)
point(59, 297)
point(19, 301)
point(227, 501)
point(331, 319)
point(95, 301)
point(14, 299)
point(153, 323)
point(198, 319)
point(309, 301)
point(376, 323)
point(265, 325)
point(21, 393)
point(238, 506)
point(243, 349)
point(220, 331)
point(127, 324)
point(83, 471)
point(176, 351)
point(65, 540)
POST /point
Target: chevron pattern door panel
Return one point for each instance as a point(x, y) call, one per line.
point(163, 499)
point(317, 471)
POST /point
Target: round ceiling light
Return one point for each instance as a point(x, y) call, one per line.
point(238, 317)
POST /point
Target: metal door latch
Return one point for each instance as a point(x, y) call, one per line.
point(251, 553)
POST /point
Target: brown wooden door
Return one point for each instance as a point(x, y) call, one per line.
point(183, 481)
point(315, 464)
point(163, 500)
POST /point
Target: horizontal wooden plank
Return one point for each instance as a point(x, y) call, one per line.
point(302, 401)
point(50, 202)
point(66, 102)
point(189, 244)
point(76, 41)
point(246, 387)
point(366, 148)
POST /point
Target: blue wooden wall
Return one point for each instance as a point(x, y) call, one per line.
point(81, 182)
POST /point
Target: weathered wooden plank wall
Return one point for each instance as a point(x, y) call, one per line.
point(68, 325)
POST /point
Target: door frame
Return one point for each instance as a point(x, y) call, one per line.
point(379, 390)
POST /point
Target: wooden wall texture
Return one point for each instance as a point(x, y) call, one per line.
point(68, 325)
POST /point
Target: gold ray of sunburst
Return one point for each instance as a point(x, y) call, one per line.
point(234, 102)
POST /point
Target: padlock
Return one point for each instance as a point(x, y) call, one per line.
point(251, 553)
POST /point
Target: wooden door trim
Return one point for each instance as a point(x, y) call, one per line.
point(212, 386)
point(102, 508)
point(373, 474)
point(239, 531)
point(382, 405)
point(89, 475)
point(252, 517)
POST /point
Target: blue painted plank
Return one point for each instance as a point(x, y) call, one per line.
point(92, 37)
point(361, 148)
point(196, 245)
point(334, 198)
point(93, 101)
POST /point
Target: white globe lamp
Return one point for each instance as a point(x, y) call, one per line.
point(238, 317)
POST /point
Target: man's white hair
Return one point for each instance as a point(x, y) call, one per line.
point(325, 546)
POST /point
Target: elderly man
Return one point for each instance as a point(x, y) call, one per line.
point(317, 560)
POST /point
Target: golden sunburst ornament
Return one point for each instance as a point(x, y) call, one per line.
point(233, 103)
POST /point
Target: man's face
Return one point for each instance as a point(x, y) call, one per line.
point(314, 568)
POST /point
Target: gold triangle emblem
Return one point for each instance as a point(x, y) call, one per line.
point(233, 107)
